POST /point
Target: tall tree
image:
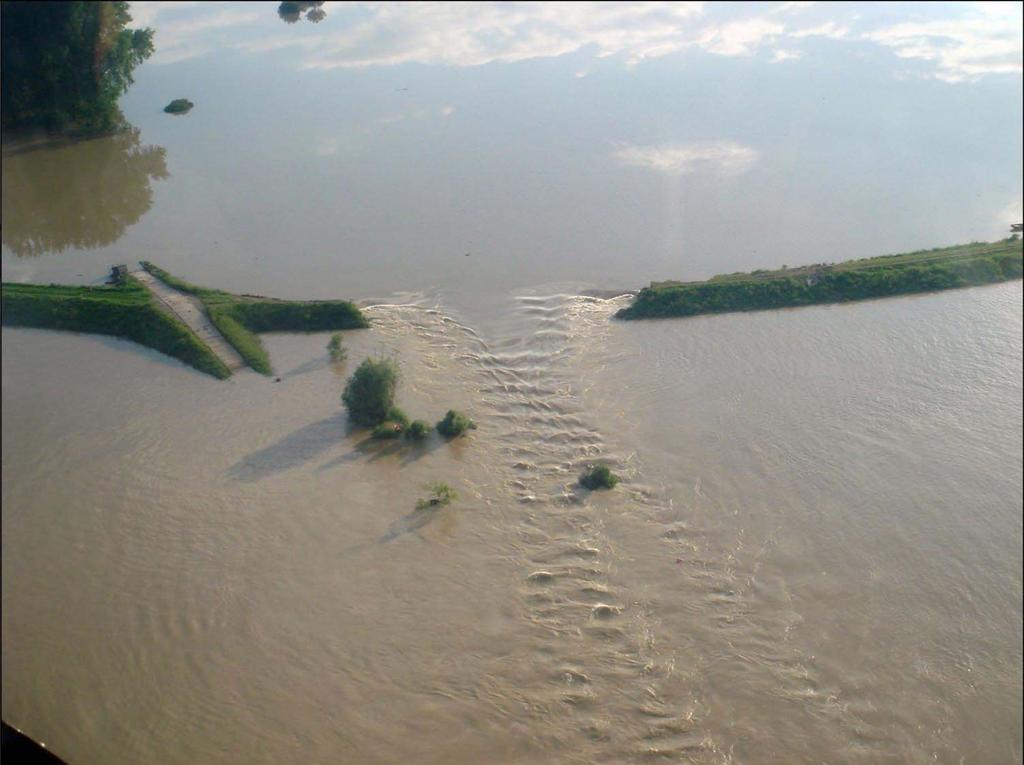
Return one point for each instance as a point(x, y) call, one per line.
point(65, 64)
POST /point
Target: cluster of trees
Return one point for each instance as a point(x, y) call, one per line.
point(831, 287)
point(65, 64)
point(369, 397)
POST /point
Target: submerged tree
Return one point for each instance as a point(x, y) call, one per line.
point(335, 348)
point(370, 393)
point(65, 64)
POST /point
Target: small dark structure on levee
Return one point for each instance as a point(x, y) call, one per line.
point(118, 274)
point(1016, 228)
point(179, 106)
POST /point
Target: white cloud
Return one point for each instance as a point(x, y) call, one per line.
point(184, 38)
point(145, 13)
point(785, 55)
point(959, 41)
point(792, 7)
point(447, 111)
point(1012, 213)
point(723, 157)
point(829, 29)
point(460, 35)
point(987, 41)
point(739, 38)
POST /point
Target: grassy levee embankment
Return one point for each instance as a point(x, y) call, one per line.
point(127, 310)
point(239, 317)
point(884, 276)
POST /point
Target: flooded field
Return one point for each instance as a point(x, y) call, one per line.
point(815, 551)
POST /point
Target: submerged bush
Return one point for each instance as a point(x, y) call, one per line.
point(598, 477)
point(334, 347)
point(398, 416)
point(455, 424)
point(370, 392)
point(418, 430)
point(441, 494)
point(388, 429)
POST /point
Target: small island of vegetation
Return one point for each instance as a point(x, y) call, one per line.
point(179, 106)
point(369, 398)
point(885, 276)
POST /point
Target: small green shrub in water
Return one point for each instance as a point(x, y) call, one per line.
point(418, 430)
point(455, 424)
point(334, 347)
point(598, 477)
point(441, 494)
point(370, 392)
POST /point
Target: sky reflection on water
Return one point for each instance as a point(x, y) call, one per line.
point(601, 144)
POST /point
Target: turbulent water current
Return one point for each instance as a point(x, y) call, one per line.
point(814, 554)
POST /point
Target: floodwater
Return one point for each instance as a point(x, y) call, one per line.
point(815, 552)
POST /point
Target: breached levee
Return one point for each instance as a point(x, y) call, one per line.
point(211, 330)
point(595, 685)
point(593, 669)
point(885, 276)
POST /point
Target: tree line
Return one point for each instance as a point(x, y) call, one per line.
point(65, 64)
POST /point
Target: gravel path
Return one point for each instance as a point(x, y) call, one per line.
point(191, 311)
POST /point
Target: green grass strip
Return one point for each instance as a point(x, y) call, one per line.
point(240, 317)
point(128, 311)
point(247, 344)
point(890, 275)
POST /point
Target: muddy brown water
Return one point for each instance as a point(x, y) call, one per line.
point(815, 551)
point(814, 554)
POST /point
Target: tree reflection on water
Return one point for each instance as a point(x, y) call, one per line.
point(79, 195)
point(291, 12)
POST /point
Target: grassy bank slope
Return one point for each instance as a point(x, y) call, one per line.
point(240, 317)
point(127, 311)
point(888, 275)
